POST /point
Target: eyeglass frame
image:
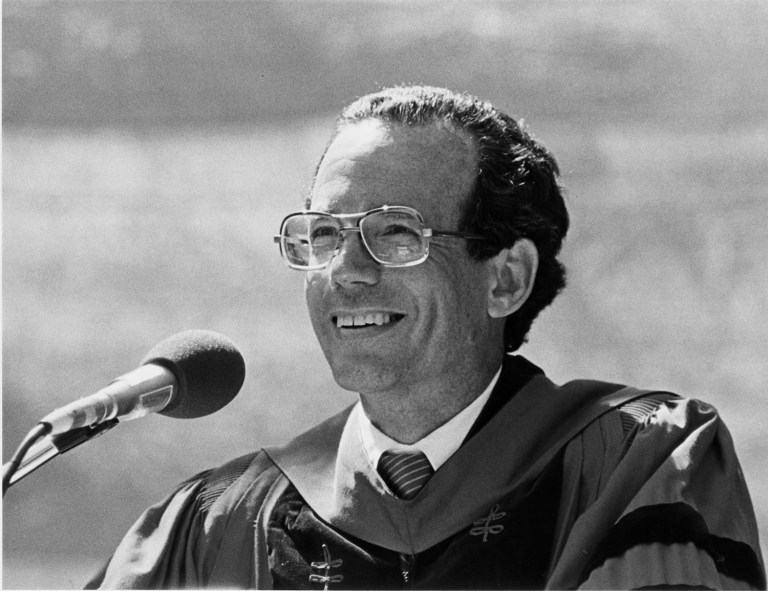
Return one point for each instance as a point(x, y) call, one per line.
point(427, 233)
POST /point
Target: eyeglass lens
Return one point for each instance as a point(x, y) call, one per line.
point(391, 237)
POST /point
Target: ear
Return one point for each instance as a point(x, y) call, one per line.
point(512, 273)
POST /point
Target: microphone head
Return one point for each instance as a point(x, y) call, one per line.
point(209, 369)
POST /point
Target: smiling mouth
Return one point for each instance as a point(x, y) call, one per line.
point(355, 321)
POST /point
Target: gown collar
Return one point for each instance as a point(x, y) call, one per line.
point(328, 466)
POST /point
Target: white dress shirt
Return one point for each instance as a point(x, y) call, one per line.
point(438, 446)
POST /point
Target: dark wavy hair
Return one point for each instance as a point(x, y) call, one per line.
point(516, 194)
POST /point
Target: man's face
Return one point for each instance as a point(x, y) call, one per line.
point(425, 326)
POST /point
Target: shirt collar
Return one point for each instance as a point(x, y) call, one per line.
point(438, 446)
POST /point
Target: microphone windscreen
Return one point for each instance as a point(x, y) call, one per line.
point(209, 368)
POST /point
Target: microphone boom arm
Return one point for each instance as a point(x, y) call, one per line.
point(41, 452)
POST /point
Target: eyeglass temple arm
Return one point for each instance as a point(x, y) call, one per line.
point(278, 239)
point(429, 232)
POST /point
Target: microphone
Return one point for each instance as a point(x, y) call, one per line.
point(188, 375)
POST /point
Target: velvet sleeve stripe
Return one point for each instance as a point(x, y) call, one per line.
point(634, 414)
point(660, 566)
point(218, 481)
point(678, 523)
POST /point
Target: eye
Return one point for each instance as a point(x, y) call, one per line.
point(398, 229)
point(322, 232)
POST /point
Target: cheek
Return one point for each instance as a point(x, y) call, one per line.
point(470, 313)
point(457, 302)
point(313, 293)
point(474, 302)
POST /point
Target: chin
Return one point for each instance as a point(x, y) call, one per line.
point(362, 377)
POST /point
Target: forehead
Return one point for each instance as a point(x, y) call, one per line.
point(370, 164)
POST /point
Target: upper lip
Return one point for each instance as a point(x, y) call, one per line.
point(363, 312)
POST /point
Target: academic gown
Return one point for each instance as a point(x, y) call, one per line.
point(586, 484)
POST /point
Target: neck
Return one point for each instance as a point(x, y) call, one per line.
point(408, 415)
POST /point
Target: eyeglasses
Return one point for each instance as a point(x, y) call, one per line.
point(394, 236)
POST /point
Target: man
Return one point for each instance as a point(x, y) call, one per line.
point(429, 243)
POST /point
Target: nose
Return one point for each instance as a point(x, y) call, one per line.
point(353, 265)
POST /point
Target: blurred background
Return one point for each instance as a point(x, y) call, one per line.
point(150, 150)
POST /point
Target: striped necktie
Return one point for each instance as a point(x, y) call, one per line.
point(405, 472)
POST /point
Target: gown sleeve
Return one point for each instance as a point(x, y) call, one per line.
point(658, 503)
point(158, 551)
point(184, 540)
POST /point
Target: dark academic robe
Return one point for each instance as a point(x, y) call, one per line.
point(588, 484)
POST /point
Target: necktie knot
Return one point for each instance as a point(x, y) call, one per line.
point(405, 472)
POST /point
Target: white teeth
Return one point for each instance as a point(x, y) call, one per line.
point(344, 321)
point(377, 318)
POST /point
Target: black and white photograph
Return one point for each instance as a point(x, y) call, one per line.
point(384, 294)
